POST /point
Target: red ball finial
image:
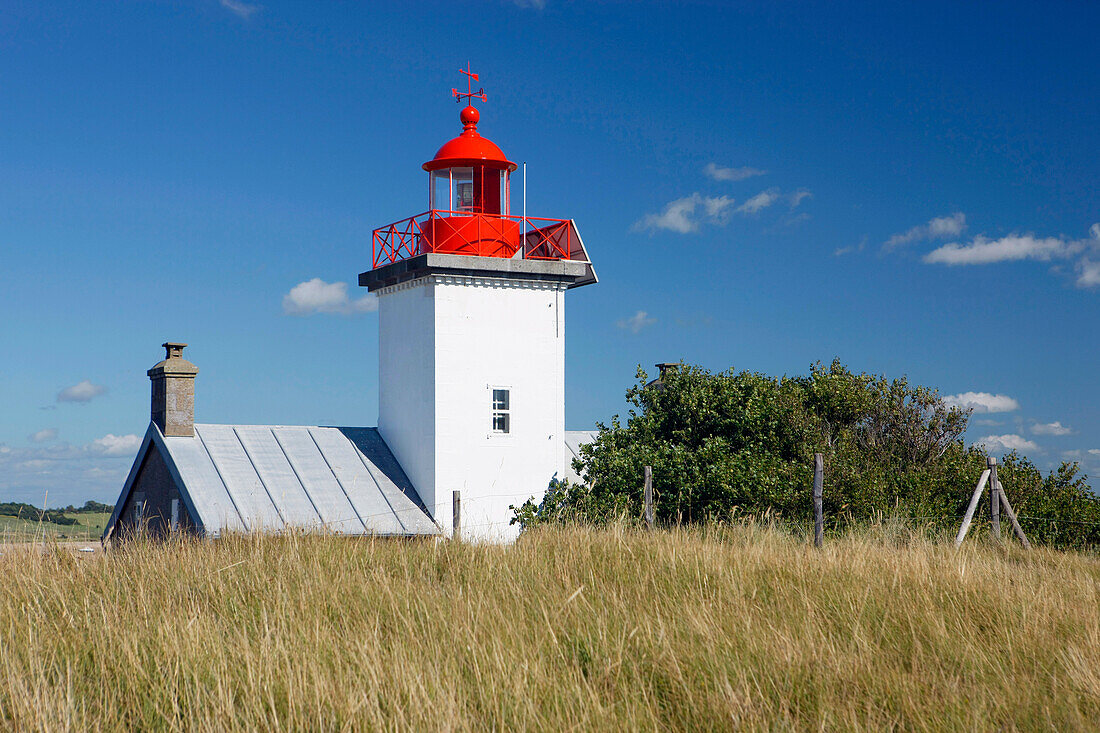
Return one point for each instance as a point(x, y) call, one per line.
point(469, 117)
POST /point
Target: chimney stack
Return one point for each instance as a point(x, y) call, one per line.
point(664, 367)
point(174, 393)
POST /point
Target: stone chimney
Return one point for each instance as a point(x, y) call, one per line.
point(664, 367)
point(174, 392)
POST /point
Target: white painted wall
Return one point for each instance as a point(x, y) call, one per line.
point(445, 342)
point(406, 380)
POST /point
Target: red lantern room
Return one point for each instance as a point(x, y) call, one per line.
point(469, 205)
point(469, 190)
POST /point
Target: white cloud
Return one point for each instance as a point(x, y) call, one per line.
point(1088, 272)
point(1018, 247)
point(1094, 451)
point(1007, 443)
point(938, 228)
point(240, 9)
point(947, 226)
point(685, 215)
point(720, 173)
point(841, 251)
point(797, 197)
point(680, 215)
point(81, 392)
point(65, 473)
point(318, 296)
point(110, 445)
point(982, 402)
point(676, 217)
point(43, 435)
point(636, 322)
point(717, 208)
point(760, 201)
point(1051, 428)
point(1012, 248)
point(116, 445)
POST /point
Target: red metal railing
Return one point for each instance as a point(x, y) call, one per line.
point(484, 235)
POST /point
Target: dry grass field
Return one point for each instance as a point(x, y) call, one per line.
point(613, 629)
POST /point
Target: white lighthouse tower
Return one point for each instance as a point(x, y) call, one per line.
point(471, 366)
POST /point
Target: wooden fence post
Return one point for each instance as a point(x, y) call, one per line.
point(819, 518)
point(649, 496)
point(456, 515)
point(973, 507)
point(994, 498)
point(1012, 517)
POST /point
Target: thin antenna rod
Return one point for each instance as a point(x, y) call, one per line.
point(524, 241)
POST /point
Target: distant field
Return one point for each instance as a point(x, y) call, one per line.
point(574, 629)
point(90, 527)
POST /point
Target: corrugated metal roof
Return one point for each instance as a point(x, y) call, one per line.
point(273, 477)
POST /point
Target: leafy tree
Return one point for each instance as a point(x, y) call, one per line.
point(31, 512)
point(95, 507)
point(744, 442)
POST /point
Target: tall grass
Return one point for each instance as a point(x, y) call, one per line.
point(570, 628)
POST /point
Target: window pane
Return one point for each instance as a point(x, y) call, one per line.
point(501, 422)
point(441, 190)
point(463, 182)
point(500, 399)
point(464, 198)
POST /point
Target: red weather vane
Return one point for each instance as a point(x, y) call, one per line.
point(469, 94)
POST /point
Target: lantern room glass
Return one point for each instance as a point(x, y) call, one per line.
point(473, 190)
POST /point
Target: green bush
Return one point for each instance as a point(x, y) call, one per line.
point(743, 442)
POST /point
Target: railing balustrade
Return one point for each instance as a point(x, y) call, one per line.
point(485, 235)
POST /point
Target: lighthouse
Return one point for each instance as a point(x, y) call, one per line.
point(471, 358)
point(471, 382)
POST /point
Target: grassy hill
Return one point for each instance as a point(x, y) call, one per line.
point(570, 628)
point(89, 527)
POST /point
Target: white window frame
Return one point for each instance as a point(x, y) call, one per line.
point(494, 412)
point(139, 508)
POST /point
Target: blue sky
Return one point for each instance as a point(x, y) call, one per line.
point(761, 185)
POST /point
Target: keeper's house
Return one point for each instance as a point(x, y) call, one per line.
point(244, 478)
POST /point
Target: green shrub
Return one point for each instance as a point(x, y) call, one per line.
point(743, 442)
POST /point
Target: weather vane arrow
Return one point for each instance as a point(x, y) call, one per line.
point(469, 94)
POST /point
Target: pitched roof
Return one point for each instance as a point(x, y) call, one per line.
point(274, 477)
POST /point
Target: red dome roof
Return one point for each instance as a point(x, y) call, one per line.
point(469, 148)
